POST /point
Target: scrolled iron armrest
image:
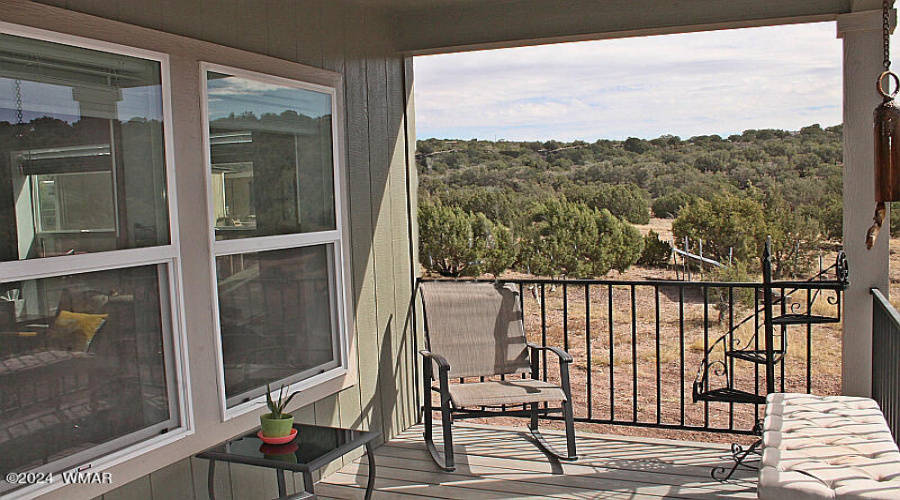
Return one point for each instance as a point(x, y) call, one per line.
point(443, 364)
point(564, 357)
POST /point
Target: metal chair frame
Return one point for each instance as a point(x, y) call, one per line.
point(449, 413)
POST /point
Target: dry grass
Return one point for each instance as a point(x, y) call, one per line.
point(698, 345)
point(667, 355)
point(894, 273)
point(603, 361)
point(663, 228)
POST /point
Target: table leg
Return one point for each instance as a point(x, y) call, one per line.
point(308, 483)
point(282, 489)
point(370, 456)
point(211, 480)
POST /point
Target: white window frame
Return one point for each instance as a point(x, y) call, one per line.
point(335, 240)
point(171, 300)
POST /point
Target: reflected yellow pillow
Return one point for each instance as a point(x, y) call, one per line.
point(74, 331)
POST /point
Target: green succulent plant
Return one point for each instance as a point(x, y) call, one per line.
point(276, 407)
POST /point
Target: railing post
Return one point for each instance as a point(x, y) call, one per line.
point(767, 317)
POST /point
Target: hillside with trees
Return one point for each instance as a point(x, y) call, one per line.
point(569, 208)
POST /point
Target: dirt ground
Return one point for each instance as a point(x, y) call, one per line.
point(654, 368)
point(663, 228)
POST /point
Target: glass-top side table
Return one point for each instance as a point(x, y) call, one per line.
point(311, 449)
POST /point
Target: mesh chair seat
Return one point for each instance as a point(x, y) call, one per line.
point(505, 392)
point(478, 330)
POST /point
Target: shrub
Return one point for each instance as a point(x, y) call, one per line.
point(621, 241)
point(831, 215)
point(669, 205)
point(455, 243)
point(796, 237)
point(625, 201)
point(635, 145)
point(721, 298)
point(446, 239)
point(500, 248)
point(724, 222)
point(656, 252)
point(572, 239)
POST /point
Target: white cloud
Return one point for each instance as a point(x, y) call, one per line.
point(238, 95)
point(701, 83)
point(237, 86)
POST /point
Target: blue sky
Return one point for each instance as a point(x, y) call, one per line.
point(720, 82)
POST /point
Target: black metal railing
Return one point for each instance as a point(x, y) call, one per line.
point(638, 345)
point(886, 360)
point(774, 332)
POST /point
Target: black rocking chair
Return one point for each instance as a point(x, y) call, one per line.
point(476, 329)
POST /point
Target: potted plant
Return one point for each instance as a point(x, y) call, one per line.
point(276, 423)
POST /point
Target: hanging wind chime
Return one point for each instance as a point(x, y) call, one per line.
point(887, 136)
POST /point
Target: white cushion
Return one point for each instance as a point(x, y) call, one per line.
point(817, 447)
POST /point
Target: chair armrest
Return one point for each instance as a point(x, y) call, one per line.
point(443, 364)
point(564, 357)
point(443, 377)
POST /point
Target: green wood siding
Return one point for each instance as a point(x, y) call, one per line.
point(352, 41)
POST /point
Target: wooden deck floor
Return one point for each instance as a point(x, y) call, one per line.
point(495, 463)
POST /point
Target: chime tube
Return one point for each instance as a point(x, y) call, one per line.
point(887, 152)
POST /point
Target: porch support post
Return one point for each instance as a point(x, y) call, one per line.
point(861, 35)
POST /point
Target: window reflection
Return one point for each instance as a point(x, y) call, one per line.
point(86, 358)
point(74, 202)
point(271, 158)
point(232, 184)
point(82, 165)
point(82, 363)
point(277, 314)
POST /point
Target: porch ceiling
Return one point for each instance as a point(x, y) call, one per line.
point(432, 26)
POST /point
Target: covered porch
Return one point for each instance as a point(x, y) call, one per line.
point(360, 52)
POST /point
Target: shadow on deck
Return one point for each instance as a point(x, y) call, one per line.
point(500, 462)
